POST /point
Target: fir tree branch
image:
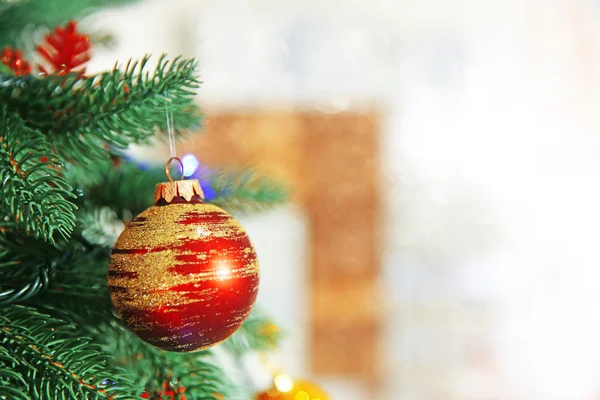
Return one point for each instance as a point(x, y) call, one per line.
point(69, 298)
point(78, 282)
point(13, 384)
point(34, 194)
point(197, 372)
point(55, 362)
point(82, 117)
point(83, 176)
point(130, 188)
point(246, 192)
point(125, 188)
point(257, 333)
point(25, 273)
point(21, 292)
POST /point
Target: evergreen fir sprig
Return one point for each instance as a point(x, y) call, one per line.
point(35, 195)
point(18, 291)
point(60, 144)
point(246, 191)
point(197, 372)
point(84, 275)
point(43, 358)
point(12, 383)
point(24, 274)
point(126, 188)
point(13, 259)
point(130, 188)
point(257, 333)
point(78, 281)
point(83, 176)
point(83, 116)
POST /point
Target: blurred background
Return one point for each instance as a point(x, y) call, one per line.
point(443, 158)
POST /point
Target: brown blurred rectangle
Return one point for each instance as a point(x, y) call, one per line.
point(346, 350)
point(343, 202)
point(346, 301)
point(331, 161)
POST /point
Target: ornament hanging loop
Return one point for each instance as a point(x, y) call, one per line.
point(168, 170)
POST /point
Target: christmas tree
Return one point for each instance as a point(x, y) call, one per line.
point(68, 190)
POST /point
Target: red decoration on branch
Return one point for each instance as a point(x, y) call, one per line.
point(167, 393)
point(65, 49)
point(13, 59)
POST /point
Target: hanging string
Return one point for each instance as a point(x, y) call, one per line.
point(170, 128)
point(171, 134)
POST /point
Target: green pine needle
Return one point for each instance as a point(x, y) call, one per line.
point(198, 372)
point(130, 188)
point(60, 144)
point(126, 188)
point(35, 196)
point(78, 282)
point(25, 273)
point(85, 117)
point(257, 333)
point(49, 360)
point(13, 385)
point(246, 191)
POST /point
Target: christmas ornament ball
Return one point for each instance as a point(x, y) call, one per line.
point(183, 275)
point(286, 389)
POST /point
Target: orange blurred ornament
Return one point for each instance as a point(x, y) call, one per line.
point(286, 389)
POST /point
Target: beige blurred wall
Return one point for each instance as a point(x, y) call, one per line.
point(490, 146)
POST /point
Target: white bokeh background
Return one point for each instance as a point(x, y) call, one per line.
point(491, 154)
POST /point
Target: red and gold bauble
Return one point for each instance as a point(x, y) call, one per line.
point(183, 275)
point(286, 389)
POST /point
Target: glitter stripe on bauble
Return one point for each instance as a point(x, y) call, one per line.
point(183, 275)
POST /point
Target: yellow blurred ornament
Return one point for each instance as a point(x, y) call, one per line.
point(286, 389)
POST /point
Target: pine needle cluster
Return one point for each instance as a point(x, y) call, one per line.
point(67, 191)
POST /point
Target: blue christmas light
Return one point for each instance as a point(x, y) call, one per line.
point(190, 164)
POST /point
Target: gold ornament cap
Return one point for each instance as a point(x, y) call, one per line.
point(167, 191)
point(187, 190)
